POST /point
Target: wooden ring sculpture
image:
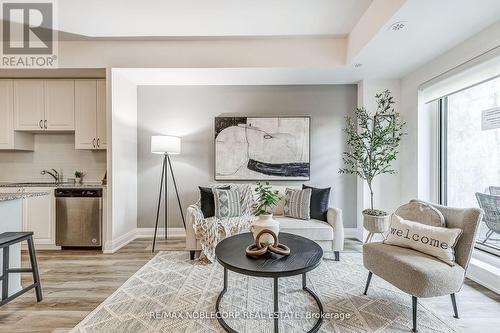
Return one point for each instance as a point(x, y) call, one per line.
point(259, 249)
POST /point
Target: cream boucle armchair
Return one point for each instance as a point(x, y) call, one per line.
point(421, 275)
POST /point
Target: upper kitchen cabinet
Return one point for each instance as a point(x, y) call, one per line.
point(60, 105)
point(29, 114)
point(101, 114)
point(44, 105)
point(10, 139)
point(90, 114)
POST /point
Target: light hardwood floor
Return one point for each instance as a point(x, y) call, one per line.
point(75, 282)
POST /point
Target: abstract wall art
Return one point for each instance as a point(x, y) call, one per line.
point(262, 148)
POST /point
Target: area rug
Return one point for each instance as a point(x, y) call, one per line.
point(173, 294)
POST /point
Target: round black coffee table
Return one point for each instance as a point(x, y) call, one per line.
point(305, 255)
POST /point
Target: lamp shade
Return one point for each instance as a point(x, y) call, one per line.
point(165, 144)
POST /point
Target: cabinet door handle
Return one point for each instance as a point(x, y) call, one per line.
point(45, 123)
point(98, 142)
point(40, 124)
point(93, 142)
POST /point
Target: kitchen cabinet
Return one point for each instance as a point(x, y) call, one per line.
point(60, 105)
point(38, 214)
point(101, 114)
point(29, 114)
point(90, 114)
point(44, 105)
point(10, 139)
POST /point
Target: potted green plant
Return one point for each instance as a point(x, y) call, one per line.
point(373, 141)
point(266, 200)
point(79, 176)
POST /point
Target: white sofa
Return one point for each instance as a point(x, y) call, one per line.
point(329, 235)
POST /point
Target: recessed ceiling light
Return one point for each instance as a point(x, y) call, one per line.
point(358, 65)
point(398, 26)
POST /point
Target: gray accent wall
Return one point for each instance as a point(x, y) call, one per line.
point(189, 112)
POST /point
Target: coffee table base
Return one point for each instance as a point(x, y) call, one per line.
point(227, 328)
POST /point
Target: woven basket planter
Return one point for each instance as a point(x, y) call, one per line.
point(376, 224)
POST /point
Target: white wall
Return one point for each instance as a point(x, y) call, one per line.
point(416, 149)
point(52, 151)
point(189, 111)
point(123, 161)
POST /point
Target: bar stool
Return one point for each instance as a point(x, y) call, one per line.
point(6, 240)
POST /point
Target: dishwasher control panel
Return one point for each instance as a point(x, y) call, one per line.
point(79, 192)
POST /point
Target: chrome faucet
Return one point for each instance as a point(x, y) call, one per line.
point(54, 174)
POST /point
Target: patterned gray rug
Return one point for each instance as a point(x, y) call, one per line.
point(172, 294)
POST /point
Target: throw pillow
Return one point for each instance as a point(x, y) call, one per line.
point(207, 203)
point(319, 202)
point(298, 203)
point(227, 203)
point(421, 212)
point(435, 241)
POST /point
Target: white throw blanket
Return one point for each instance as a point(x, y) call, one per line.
point(209, 231)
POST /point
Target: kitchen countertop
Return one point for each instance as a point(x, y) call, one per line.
point(58, 185)
point(21, 195)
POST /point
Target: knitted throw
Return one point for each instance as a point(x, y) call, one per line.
point(209, 231)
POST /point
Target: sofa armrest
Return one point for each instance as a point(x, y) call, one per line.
point(193, 214)
point(334, 218)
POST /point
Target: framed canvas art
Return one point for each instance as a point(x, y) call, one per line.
point(262, 148)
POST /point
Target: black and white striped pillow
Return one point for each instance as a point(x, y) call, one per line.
point(298, 203)
point(227, 203)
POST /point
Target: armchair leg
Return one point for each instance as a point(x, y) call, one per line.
point(368, 282)
point(337, 255)
point(454, 303)
point(414, 302)
point(191, 255)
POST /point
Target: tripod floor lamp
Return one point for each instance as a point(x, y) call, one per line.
point(166, 145)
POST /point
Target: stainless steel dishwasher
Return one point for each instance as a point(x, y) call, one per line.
point(78, 217)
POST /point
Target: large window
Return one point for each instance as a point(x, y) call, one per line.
point(470, 156)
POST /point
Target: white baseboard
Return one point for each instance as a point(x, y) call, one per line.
point(353, 233)
point(120, 242)
point(485, 270)
point(149, 232)
point(123, 240)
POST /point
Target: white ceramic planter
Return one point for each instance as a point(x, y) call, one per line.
point(265, 221)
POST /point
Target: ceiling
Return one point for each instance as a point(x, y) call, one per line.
point(346, 40)
point(213, 18)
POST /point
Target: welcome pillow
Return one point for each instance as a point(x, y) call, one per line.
point(435, 241)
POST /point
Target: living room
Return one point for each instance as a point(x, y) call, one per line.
point(292, 166)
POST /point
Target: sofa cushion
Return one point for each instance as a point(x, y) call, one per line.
point(298, 203)
point(227, 203)
point(421, 212)
point(415, 273)
point(320, 198)
point(312, 229)
point(207, 203)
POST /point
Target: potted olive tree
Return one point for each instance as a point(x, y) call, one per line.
point(373, 141)
point(267, 199)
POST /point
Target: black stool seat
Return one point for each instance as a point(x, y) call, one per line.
point(6, 240)
point(9, 238)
